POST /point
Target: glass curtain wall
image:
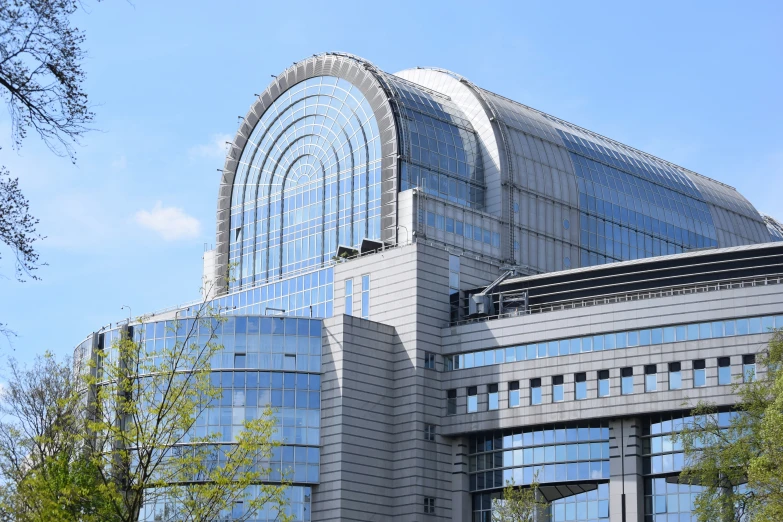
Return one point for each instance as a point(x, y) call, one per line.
point(308, 180)
point(632, 209)
point(273, 361)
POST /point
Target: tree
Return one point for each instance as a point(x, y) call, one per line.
point(42, 472)
point(143, 406)
point(100, 439)
point(519, 504)
point(41, 82)
point(738, 460)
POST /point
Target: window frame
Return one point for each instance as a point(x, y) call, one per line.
point(535, 392)
point(626, 379)
point(700, 365)
point(604, 380)
point(580, 380)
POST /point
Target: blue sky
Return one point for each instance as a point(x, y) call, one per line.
point(697, 83)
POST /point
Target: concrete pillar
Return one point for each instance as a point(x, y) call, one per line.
point(461, 505)
point(626, 485)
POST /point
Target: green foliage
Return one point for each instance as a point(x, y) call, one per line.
point(518, 504)
point(146, 400)
point(43, 473)
point(740, 465)
point(99, 441)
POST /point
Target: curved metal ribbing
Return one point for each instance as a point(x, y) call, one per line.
point(328, 122)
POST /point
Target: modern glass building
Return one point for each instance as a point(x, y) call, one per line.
point(362, 215)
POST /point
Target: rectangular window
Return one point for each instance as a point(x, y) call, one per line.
point(429, 432)
point(472, 399)
point(451, 402)
point(580, 386)
point(513, 394)
point(429, 360)
point(454, 270)
point(557, 388)
point(365, 297)
point(429, 505)
point(748, 368)
point(724, 370)
point(349, 297)
point(650, 378)
point(603, 383)
point(626, 381)
point(535, 391)
point(675, 376)
point(492, 396)
point(699, 373)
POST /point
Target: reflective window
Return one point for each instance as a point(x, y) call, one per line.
point(615, 340)
point(650, 378)
point(513, 394)
point(365, 296)
point(748, 368)
point(472, 399)
point(443, 158)
point(580, 386)
point(535, 391)
point(603, 383)
point(724, 370)
point(699, 373)
point(349, 297)
point(633, 208)
point(493, 402)
point(675, 376)
point(307, 181)
point(558, 453)
point(557, 388)
point(626, 381)
point(454, 280)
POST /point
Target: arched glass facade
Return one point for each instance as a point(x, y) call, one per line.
point(264, 361)
point(631, 209)
point(308, 180)
point(441, 152)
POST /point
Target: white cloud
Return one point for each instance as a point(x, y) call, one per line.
point(120, 163)
point(171, 223)
point(215, 149)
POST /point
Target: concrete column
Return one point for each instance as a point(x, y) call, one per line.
point(461, 506)
point(626, 485)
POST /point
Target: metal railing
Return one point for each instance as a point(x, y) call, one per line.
point(622, 297)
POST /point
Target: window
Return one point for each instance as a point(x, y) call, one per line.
point(580, 386)
point(513, 394)
point(748, 368)
point(454, 269)
point(492, 396)
point(472, 399)
point(429, 506)
point(699, 374)
point(724, 370)
point(675, 377)
point(365, 297)
point(429, 432)
point(429, 360)
point(451, 402)
point(603, 383)
point(650, 378)
point(535, 391)
point(557, 388)
point(626, 381)
point(349, 297)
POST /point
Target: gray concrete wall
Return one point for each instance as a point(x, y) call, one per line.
point(377, 395)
